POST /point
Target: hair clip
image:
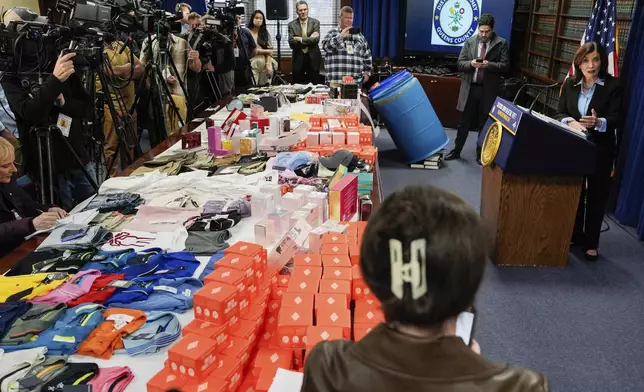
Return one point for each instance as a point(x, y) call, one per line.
point(413, 272)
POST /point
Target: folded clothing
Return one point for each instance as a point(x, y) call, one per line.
point(25, 287)
point(28, 326)
point(219, 207)
point(170, 295)
point(112, 221)
point(78, 285)
point(9, 312)
point(64, 337)
point(51, 260)
point(99, 292)
point(112, 379)
point(73, 374)
point(220, 222)
point(124, 203)
point(210, 266)
point(163, 266)
point(108, 336)
point(39, 375)
point(13, 366)
point(207, 243)
point(114, 261)
point(160, 330)
point(129, 291)
point(87, 237)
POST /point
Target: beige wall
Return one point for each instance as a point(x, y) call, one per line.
point(6, 4)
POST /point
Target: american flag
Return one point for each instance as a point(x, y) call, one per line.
point(602, 28)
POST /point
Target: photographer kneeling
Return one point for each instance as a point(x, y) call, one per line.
point(423, 255)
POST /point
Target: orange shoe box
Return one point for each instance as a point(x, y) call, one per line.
point(270, 324)
point(266, 338)
point(334, 238)
point(335, 286)
point(241, 263)
point(352, 231)
point(277, 293)
point(360, 288)
point(274, 306)
point(336, 261)
point(340, 273)
point(354, 253)
point(335, 249)
point(367, 315)
point(269, 358)
point(332, 300)
point(246, 330)
point(291, 326)
point(230, 276)
point(335, 317)
point(298, 358)
point(207, 329)
point(298, 300)
point(307, 259)
point(317, 334)
point(283, 280)
point(240, 349)
point(257, 252)
point(210, 384)
point(256, 313)
point(266, 377)
point(248, 386)
point(253, 290)
point(360, 332)
point(166, 380)
point(193, 356)
point(305, 271)
point(303, 285)
point(216, 302)
point(230, 370)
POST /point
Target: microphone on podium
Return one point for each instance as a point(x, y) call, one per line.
point(543, 90)
point(514, 101)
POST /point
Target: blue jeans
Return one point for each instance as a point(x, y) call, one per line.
point(73, 186)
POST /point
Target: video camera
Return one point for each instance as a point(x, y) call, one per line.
point(213, 46)
point(225, 14)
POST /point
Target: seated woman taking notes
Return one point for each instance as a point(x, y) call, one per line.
point(263, 63)
point(591, 102)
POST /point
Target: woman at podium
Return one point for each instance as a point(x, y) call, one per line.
point(591, 101)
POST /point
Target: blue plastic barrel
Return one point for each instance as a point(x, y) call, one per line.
point(409, 116)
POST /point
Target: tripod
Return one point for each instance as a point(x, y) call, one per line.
point(278, 76)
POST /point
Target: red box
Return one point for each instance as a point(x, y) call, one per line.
point(216, 302)
point(298, 358)
point(283, 280)
point(303, 285)
point(307, 259)
point(266, 377)
point(298, 300)
point(257, 252)
point(335, 286)
point(341, 273)
point(166, 380)
point(291, 326)
point(336, 261)
point(239, 349)
point(367, 315)
point(361, 290)
point(247, 330)
point(266, 338)
point(273, 358)
point(248, 386)
point(334, 250)
point(230, 370)
point(317, 334)
point(332, 300)
point(334, 238)
point(354, 253)
point(277, 293)
point(218, 333)
point(360, 332)
point(352, 231)
point(210, 384)
point(305, 271)
point(343, 199)
point(271, 322)
point(274, 306)
point(335, 317)
point(230, 276)
point(241, 263)
point(256, 313)
point(193, 356)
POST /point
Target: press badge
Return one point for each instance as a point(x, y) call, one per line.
point(64, 123)
point(236, 52)
point(350, 49)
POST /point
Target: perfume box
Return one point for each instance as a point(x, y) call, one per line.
point(343, 198)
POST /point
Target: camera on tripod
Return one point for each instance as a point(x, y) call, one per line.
point(225, 15)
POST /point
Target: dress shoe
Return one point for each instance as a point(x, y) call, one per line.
point(452, 155)
point(591, 257)
point(478, 161)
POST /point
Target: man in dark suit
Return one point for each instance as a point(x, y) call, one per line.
point(484, 57)
point(303, 38)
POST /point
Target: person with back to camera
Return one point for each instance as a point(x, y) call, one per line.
point(423, 255)
point(592, 102)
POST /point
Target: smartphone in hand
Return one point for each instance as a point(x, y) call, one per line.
point(354, 30)
point(479, 60)
point(465, 323)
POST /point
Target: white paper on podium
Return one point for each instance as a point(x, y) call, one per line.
point(287, 381)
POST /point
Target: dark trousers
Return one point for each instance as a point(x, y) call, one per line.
point(306, 74)
point(592, 203)
point(473, 116)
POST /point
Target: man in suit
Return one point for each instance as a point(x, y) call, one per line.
point(484, 57)
point(303, 38)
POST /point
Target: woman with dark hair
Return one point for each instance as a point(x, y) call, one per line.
point(423, 255)
point(592, 102)
point(263, 63)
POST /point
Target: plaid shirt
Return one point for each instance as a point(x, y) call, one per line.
point(178, 48)
point(337, 60)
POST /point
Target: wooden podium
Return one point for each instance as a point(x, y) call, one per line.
point(531, 184)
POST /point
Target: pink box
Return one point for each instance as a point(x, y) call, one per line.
point(312, 139)
point(343, 198)
point(353, 137)
point(326, 137)
point(338, 138)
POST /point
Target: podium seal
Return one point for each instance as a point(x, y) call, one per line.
point(491, 143)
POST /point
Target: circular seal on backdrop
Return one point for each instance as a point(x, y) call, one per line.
point(456, 20)
point(491, 143)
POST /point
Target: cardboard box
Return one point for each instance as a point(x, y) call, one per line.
point(298, 300)
point(229, 276)
point(210, 384)
point(335, 250)
point(292, 324)
point(219, 333)
point(257, 252)
point(317, 334)
point(335, 286)
point(335, 317)
point(303, 285)
point(307, 272)
point(247, 330)
point(193, 356)
point(230, 370)
point(343, 198)
point(216, 302)
point(166, 380)
point(367, 315)
point(336, 261)
point(242, 263)
point(239, 348)
point(307, 259)
point(334, 238)
point(269, 358)
point(354, 254)
point(322, 299)
point(360, 332)
point(343, 273)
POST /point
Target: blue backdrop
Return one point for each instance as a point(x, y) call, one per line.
point(379, 21)
point(630, 205)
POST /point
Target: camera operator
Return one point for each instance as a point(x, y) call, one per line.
point(219, 60)
point(124, 67)
point(185, 10)
point(194, 21)
point(182, 55)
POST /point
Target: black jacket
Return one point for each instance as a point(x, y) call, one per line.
point(12, 230)
point(36, 108)
point(315, 56)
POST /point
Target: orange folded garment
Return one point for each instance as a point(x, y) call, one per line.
point(108, 337)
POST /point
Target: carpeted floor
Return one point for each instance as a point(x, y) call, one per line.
point(582, 326)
